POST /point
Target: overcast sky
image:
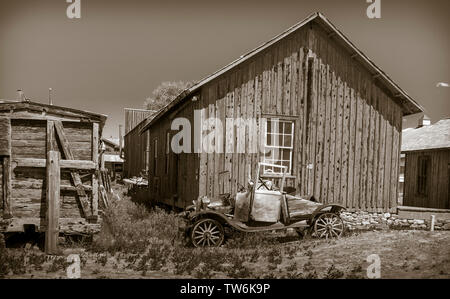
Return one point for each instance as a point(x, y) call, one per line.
point(119, 51)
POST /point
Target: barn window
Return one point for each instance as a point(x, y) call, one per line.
point(423, 174)
point(279, 145)
point(155, 156)
point(167, 151)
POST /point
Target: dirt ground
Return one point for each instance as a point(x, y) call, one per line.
point(403, 254)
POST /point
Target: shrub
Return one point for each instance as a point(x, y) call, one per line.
point(132, 228)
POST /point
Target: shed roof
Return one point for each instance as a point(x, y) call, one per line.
point(29, 106)
point(436, 136)
point(409, 105)
point(111, 142)
point(112, 158)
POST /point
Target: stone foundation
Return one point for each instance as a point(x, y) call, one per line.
point(365, 220)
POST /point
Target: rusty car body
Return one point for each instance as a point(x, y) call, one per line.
point(261, 207)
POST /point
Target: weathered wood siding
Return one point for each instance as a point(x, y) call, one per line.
point(347, 128)
point(174, 179)
point(28, 192)
point(135, 152)
point(134, 117)
point(28, 183)
point(438, 182)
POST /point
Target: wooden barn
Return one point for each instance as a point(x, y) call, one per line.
point(338, 118)
point(49, 161)
point(427, 166)
point(136, 152)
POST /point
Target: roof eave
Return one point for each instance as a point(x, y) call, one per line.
point(409, 106)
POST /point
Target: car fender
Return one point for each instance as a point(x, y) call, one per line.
point(335, 208)
point(208, 214)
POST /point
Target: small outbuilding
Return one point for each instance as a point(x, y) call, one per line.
point(427, 165)
point(49, 162)
point(112, 158)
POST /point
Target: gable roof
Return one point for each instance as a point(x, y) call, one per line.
point(427, 137)
point(29, 106)
point(409, 106)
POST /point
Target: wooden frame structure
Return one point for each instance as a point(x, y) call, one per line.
point(50, 165)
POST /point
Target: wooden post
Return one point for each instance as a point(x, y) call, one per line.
point(432, 223)
point(5, 151)
point(7, 209)
point(52, 196)
point(95, 194)
point(120, 141)
point(95, 139)
point(95, 154)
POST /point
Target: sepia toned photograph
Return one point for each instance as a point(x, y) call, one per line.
point(224, 145)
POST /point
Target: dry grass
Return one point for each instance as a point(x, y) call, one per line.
point(136, 242)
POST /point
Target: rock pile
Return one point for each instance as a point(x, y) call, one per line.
point(365, 220)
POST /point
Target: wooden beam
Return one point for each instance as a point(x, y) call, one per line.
point(74, 174)
point(7, 208)
point(72, 188)
point(52, 196)
point(95, 194)
point(66, 164)
point(78, 164)
point(95, 139)
point(50, 135)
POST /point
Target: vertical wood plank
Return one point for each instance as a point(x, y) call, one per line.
point(357, 171)
point(211, 152)
point(95, 139)
point(52, 196)
point(338, 147)
point(321, 89)
point(345, 145)
point(370, 159)
point(237, 114)
point(279, 80)
point(352, 150)
point(304, 124)
point(203, 161)
point(95, 194)
point(287, 78)
point(333, 116)
point(388, 155)
point(313, 124)
point(382, 151)
point(327, 144)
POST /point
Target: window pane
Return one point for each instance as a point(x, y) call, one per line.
point(286, 154)
point(288, 128)
point(269, 139)
point(287, 141)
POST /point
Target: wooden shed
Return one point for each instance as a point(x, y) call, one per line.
point(337, 115)
point(136, 150)
point(427, 166)
point(49, 161)
point(112, 160)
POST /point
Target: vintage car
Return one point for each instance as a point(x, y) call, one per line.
point(262, 207)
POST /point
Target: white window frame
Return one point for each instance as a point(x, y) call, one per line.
point(277, 133)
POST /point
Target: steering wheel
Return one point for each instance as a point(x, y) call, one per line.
point(263, 183)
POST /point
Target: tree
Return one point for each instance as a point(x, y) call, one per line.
point(165, 93)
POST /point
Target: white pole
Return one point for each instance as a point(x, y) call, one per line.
point(432, 223)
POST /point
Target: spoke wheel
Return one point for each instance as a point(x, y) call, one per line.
point(207, 233)
point(328, 225)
